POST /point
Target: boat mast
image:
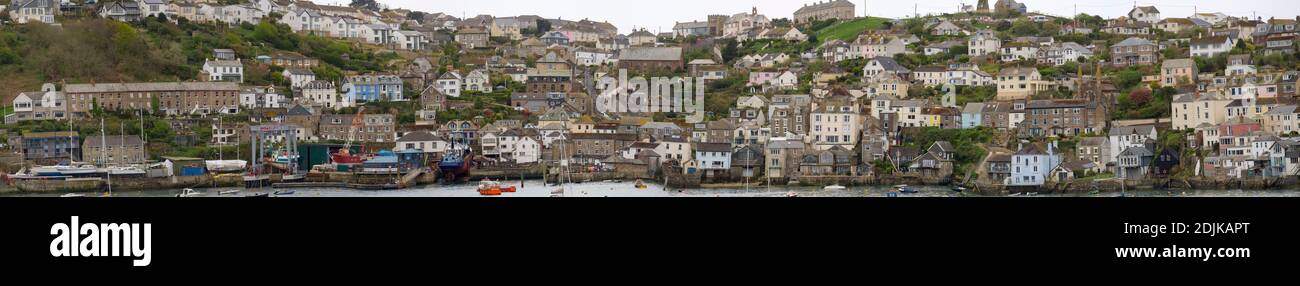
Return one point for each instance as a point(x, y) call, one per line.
point(144, 140)
point(103, 154)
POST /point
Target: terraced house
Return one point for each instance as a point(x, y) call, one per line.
point(173, 98)
point(833, 9)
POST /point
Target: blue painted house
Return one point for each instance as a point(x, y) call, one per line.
point(51, 147)
point(972, 115)
point(374, 87)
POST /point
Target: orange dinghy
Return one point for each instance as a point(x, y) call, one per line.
point(490, 188)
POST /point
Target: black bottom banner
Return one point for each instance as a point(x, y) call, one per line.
point(761, 235)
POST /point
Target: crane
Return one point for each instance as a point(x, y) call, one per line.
point(344, 156)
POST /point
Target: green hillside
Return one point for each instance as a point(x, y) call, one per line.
point(848, 31)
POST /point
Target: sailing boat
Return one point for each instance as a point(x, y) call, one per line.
point(564, 174)
point(103, 155)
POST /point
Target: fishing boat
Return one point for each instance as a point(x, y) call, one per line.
point(641, 184)
point(188, 192)
point(456, 164)
point(834, 188)
point(283, 156)
point(489, 188)
point(905, 189)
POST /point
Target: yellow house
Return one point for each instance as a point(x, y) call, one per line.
point(1020, 83)
point(1192, 110)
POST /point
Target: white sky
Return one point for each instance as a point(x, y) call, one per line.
point(657, 15)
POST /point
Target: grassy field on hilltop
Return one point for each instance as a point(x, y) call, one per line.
point(849, 31)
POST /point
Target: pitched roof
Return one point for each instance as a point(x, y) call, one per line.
point(417, 136)
point(1133, 41)
point(712, 147)
point(1178, 63)
point(651, 54)
point(1129, 130)
point(1210, 40)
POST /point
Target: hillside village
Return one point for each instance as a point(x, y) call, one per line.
point(992, 95)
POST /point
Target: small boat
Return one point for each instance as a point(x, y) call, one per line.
point(1015, 195)
point(1094, 192)
point(259, 195)
point(284, 193)
point(557, 193)
point(188, 192)
point(791, 194)
point(228, 193)
point(905, 189)
point(490, 188)
point(834, 188)
point(72, 195)
point(640, 184)
point(958, 189)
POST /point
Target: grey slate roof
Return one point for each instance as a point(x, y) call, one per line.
point(651, 54)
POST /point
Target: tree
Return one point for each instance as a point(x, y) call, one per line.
point(543, 26)
point(1024, 27)
point(417, 16)
point(371, 5)
point(1140, 96)
point(730, 50)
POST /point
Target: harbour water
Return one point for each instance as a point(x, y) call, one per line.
point(535, 188)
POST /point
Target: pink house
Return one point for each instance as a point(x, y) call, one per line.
point(760, 78)
point(1236, 133)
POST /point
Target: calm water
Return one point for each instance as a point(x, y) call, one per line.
point(625, 189)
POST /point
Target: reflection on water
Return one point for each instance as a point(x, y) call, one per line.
point(535, 188)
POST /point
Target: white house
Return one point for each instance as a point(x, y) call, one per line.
point(969, 77)
point(1015, 51)
point(378, 33)
point(237, 14)
point(344, 27)
point(478, 80)
point(1146, 14)
point(945, 28)
point(224, 70)
point(306, 20)
point(299, 77)
point(591, 57)
point(835, 122)
point(324, 94)
point(983, 43)
point(26, 11)
point(1031, 165)
point(421, 140)
point(787, 80)
point(1210, 46)
point(713, 158)
point(410, 40)
point(674, 148)
point(1129, 136)
point(1061, 53)
point(449, 83)
point(154, 8)
point(260, 97)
